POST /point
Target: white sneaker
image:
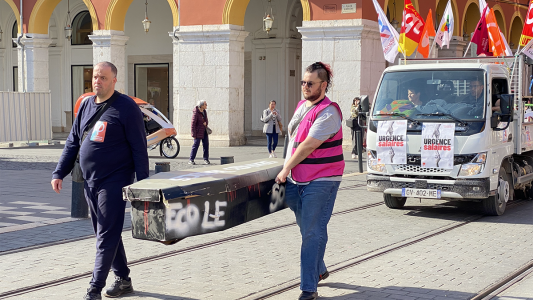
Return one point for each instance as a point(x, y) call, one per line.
point(274, 154)
point(354, 156)
point(270, 155)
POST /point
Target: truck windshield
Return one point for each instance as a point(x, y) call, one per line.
point(429, 95)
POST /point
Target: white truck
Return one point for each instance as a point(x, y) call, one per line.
point(452, 129)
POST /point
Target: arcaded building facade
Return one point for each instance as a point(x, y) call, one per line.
point(215, 50)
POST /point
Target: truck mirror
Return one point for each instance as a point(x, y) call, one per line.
point(365, 105)
point(506, 107)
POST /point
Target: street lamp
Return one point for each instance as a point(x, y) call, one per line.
point(268, 20)
point(146, 22)
point(68, 26)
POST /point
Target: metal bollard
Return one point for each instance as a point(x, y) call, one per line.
point(162, 167)
point(226, 160)
point(285, 144)
point(359, 136)
point(79, 207)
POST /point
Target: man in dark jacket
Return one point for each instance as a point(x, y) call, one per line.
point(110, 155)
point(199, 132)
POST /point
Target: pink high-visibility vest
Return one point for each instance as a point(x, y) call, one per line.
point(325, 161)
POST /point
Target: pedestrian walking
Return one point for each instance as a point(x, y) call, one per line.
point(313, 172)
point(354, 116)
point(272, 127)
point(108, 133)
point(199, 131)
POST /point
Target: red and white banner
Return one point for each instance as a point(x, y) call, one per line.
point(392, 142)
point(437, 145)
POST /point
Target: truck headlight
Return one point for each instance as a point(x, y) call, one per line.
point(372, 162)
point(475, 166)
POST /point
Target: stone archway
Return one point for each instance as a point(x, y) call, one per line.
point(15, 9)
point(470, 17)
point(234, 11)
point(42, 11)
point(515, 30)
point(117, 9)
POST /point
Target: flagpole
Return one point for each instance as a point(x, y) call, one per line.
point(467, 49)
point(403, 51)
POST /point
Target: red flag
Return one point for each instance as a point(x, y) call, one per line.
point(412, 25)
point(481, 36)
point(527, 32)
point(429, 30)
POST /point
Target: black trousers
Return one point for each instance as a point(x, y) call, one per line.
point(354, 140)
point(107, 217)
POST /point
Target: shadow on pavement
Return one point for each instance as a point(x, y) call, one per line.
point(390, 292)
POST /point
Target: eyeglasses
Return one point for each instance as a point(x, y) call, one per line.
point(309, 83)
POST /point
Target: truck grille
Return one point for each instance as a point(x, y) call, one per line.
point(418, 169)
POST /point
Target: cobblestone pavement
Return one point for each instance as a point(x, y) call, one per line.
point(453, 265)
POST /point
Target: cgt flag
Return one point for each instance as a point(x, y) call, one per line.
point(445, 30)
point(496, 45)
point(411, 32)
point(527, 32)
point(389, 36)
point(423, 45)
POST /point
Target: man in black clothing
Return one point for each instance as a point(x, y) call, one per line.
point(110, 155)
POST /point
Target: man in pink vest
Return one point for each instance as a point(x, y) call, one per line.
point(313, 172)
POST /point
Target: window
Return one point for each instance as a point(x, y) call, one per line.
point(14, 33)
point(459, 93)
point(81, 82)
point(151, 85)
point(15, 79)
point(81, 29)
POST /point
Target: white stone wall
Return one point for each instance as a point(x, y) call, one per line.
point(110, 45)
point(353, 49)
point(209, 65)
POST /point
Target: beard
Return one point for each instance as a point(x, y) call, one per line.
point(314, 96)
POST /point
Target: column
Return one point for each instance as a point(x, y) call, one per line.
point(33, 63)
point(209, 65)
point(456, 49)
point(110, 45)
point(353, 49)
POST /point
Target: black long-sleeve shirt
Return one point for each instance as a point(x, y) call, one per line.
point(113, 150)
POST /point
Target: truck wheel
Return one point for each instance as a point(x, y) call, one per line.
point(394, 202)
point(495, 205)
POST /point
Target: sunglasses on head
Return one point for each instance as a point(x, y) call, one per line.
point(309, 83)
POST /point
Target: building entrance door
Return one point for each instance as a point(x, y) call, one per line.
point(152, 86)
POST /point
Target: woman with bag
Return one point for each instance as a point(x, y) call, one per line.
point(354, 114)
point(200, 131)
point(272, 127)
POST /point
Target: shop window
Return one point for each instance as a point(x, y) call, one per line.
point(152, 85)
point(81, 82)
point(81, 29)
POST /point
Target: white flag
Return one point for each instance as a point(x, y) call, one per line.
point(482, 5)
point(445, 29)
point(389, 35)
point(508, 50)
point(528, 49)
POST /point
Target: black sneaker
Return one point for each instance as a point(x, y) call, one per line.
point(308, 295)
point(92, 294)
point(191, 162)
point(323, 276)
point(207, 162)
point(119, 287)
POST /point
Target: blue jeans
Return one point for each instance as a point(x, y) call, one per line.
point(196, 146)
point(312, 205)
point(272, 141)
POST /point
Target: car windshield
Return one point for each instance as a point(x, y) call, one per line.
point(432, 94)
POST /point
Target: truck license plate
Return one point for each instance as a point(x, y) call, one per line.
point(420, 193)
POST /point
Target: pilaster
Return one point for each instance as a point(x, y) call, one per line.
point(209, 65)
point(110, 45)
point(353, 49)
point(33, 63)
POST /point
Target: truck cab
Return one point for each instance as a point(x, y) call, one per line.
point(450, 130)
